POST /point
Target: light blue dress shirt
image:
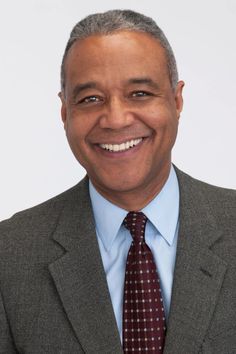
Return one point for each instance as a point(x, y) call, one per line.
point(161, 235)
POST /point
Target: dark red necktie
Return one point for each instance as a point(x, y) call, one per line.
point(143, 310)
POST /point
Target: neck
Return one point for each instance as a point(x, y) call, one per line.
point(138, 198)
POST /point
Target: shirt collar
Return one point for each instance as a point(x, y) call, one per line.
point(162, 212)
point(108, 217)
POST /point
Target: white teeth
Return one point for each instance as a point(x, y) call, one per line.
point(121, 147)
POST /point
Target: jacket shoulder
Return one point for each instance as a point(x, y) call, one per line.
point(41, 219)
point(215, 192)
point(221, 202)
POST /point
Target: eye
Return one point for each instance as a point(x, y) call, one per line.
point(90, 100)
point(141, 94)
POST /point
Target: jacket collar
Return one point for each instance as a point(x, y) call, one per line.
point(80, 279)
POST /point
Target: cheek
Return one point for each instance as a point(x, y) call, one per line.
point(74, 134)
point(78, 132)
point(161, 120)
point(76, 128)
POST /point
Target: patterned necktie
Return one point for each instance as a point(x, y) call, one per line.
point(143, 311)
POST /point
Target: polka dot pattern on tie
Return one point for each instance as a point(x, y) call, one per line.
point(143, 311)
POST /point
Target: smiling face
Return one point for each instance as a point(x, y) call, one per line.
point(121, 114)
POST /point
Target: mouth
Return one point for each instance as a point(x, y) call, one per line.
point(127, 145)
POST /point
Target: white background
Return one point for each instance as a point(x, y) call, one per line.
point(36, 162)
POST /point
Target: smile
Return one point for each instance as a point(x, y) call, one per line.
point(121, 147)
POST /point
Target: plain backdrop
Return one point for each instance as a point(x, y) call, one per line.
point(36, 162)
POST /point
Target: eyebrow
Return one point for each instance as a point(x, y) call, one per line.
point(82, 87)
point(144, 80)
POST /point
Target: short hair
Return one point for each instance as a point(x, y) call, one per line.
point(116, 20)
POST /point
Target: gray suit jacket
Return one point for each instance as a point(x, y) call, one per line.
point(54, 295)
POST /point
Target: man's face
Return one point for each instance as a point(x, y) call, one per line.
point(120, 112)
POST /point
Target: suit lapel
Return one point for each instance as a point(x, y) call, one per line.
point(80, 279)
point(198, 274)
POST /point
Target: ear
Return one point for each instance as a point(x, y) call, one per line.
point(179, 97)
point(63, 108)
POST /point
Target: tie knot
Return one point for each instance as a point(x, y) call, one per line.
point(135, 222)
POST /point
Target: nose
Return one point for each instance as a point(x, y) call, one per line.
point(117, 115)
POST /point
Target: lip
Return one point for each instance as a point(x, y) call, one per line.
point(121, 154)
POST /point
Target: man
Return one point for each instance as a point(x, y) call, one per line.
point(73, 277)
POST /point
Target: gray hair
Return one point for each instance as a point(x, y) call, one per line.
point(115, 20)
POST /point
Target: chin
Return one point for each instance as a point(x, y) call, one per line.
point(123, 185)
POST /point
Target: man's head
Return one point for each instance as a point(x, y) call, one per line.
point(120, 105)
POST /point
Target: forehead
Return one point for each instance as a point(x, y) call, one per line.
point(125, 53)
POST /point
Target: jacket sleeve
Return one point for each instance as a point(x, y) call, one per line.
point(6, 342)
